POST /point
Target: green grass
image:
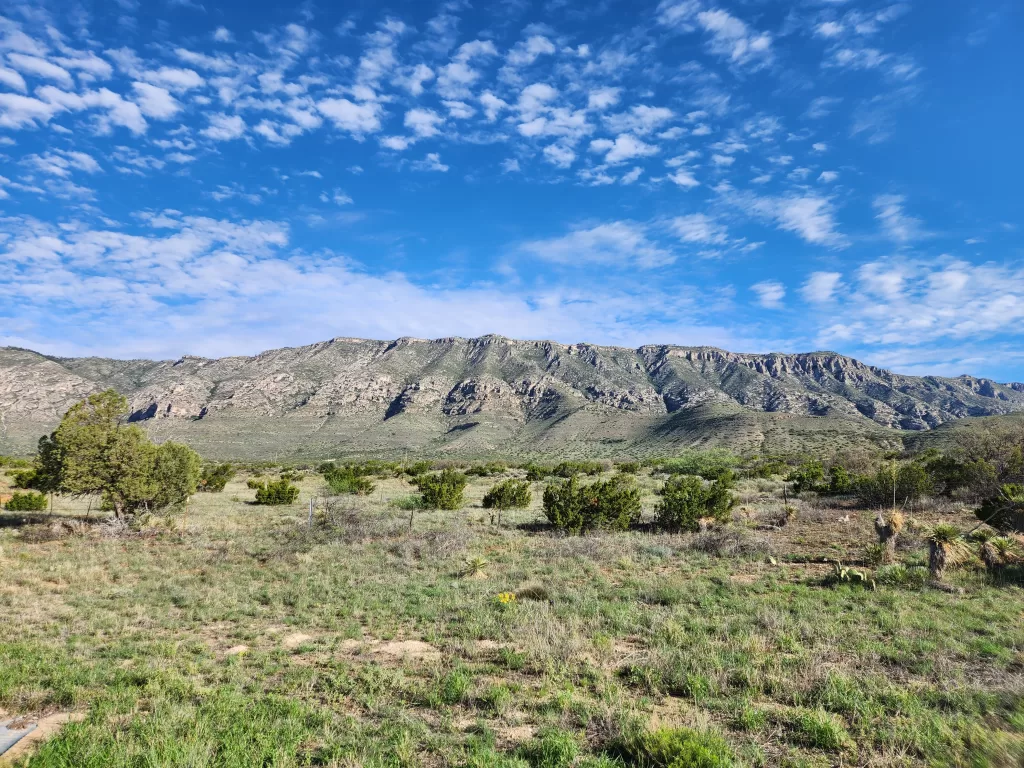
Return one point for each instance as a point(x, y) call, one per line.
point(735, 661)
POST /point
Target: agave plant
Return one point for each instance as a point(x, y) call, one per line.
point(845, 574)
point(888, 530)
point(946, 549)
point(475, 567)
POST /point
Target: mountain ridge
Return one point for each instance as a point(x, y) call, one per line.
point(491, 394)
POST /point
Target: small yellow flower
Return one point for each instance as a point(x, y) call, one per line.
point(506, 598)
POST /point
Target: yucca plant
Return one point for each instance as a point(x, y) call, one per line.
point(946, 549)
point(475, 567)
point(999, 552)
point(888, 529)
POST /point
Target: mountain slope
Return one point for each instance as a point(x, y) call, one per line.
point(472, 397)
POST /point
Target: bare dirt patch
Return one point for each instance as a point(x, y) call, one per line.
point(45, 728)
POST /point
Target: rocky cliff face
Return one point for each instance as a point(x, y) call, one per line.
point(354, 394)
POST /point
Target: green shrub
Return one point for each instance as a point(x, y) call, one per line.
point(535, 472)
point(708, 464)
point(839, 481)
point(26, 502)
point(768, 468)
point(823, 730)
point(605, 505)
point(418, 468)
point(628, 467)
point(443, 491)
point(508, 494)
point(215, 477)
point(26, 478)
point(676, 748)
point(254, 483)
point(348, 479)
point(276, 493)
point(570, 468)
point(489, 469)
point(809, 476)
point(899, 575)
point(685, 499)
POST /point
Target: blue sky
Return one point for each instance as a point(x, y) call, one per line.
point(213, 178)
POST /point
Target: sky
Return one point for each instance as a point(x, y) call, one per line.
point(220, 178)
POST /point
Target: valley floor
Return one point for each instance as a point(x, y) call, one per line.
point(242, 638)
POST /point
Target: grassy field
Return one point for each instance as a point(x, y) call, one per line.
point(240, 637)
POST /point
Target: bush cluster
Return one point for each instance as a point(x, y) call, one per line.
point(215, 477)
point(508, 494)
point(570, 468)
point(444, 490)
point(709, 464)
point(686, 499)
point(26, 502)
point(349, 479)
point(611, 505)
point(276, 493)
point(490, 469)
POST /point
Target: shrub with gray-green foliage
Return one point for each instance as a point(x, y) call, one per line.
point(909, 481)
point(215, 477)
point(570, 468)
point(709, 464)
point(611, 505)
point(686, 499)
point(508, 494)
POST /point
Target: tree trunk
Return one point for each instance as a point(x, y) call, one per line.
point(937, 556)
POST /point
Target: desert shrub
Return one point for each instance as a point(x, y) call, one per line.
point(570, 468)
point(909, 481)
point(26, 502)
point(708, 464)
point(26, 479)
point(766, 469)
point(508, 494)
point(686, 499)
point(809, 476)
point(444, 490)
point(1005, 510)
point(628, 467)
point(409, 503)
point(605, 505)
point(980, 462)
point(535, 472)
point(418, 468)
point(839, 481)
point(675, 748)
point(490, 469)
point(276, 492)
point(15, 463)
point(348, 480)
point(215, 477)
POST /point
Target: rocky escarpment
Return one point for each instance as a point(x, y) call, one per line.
point(354, 392)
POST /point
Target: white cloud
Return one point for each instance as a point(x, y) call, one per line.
point(829, 29)
point(39, 67)
point(337, 196)
point(632, 176)
point(459, 110)
point(414, 81)
point(811, 217)
point(432, 162)
point(12, 79)
point(224, 128)
point(823, 106)
point(730, 37)
point(527, 51)
point(397, 143)
point(510, 165)
point(493, 106)
point(640, 119)
point(223, 35)
point(174, 78)
point(684, 179)
point(678, 13)
point(821, 287)
point(61, 163)
point(625, 147)
point(699, 228)
point(896, 224)
point(770, 293)
point(603, 98)
point(357, 119)
point(827, 177)
point(156, 102)
point(819, 146)
point(423, 122)
point(619, 243)
point(454, 80)
point(559, 155)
